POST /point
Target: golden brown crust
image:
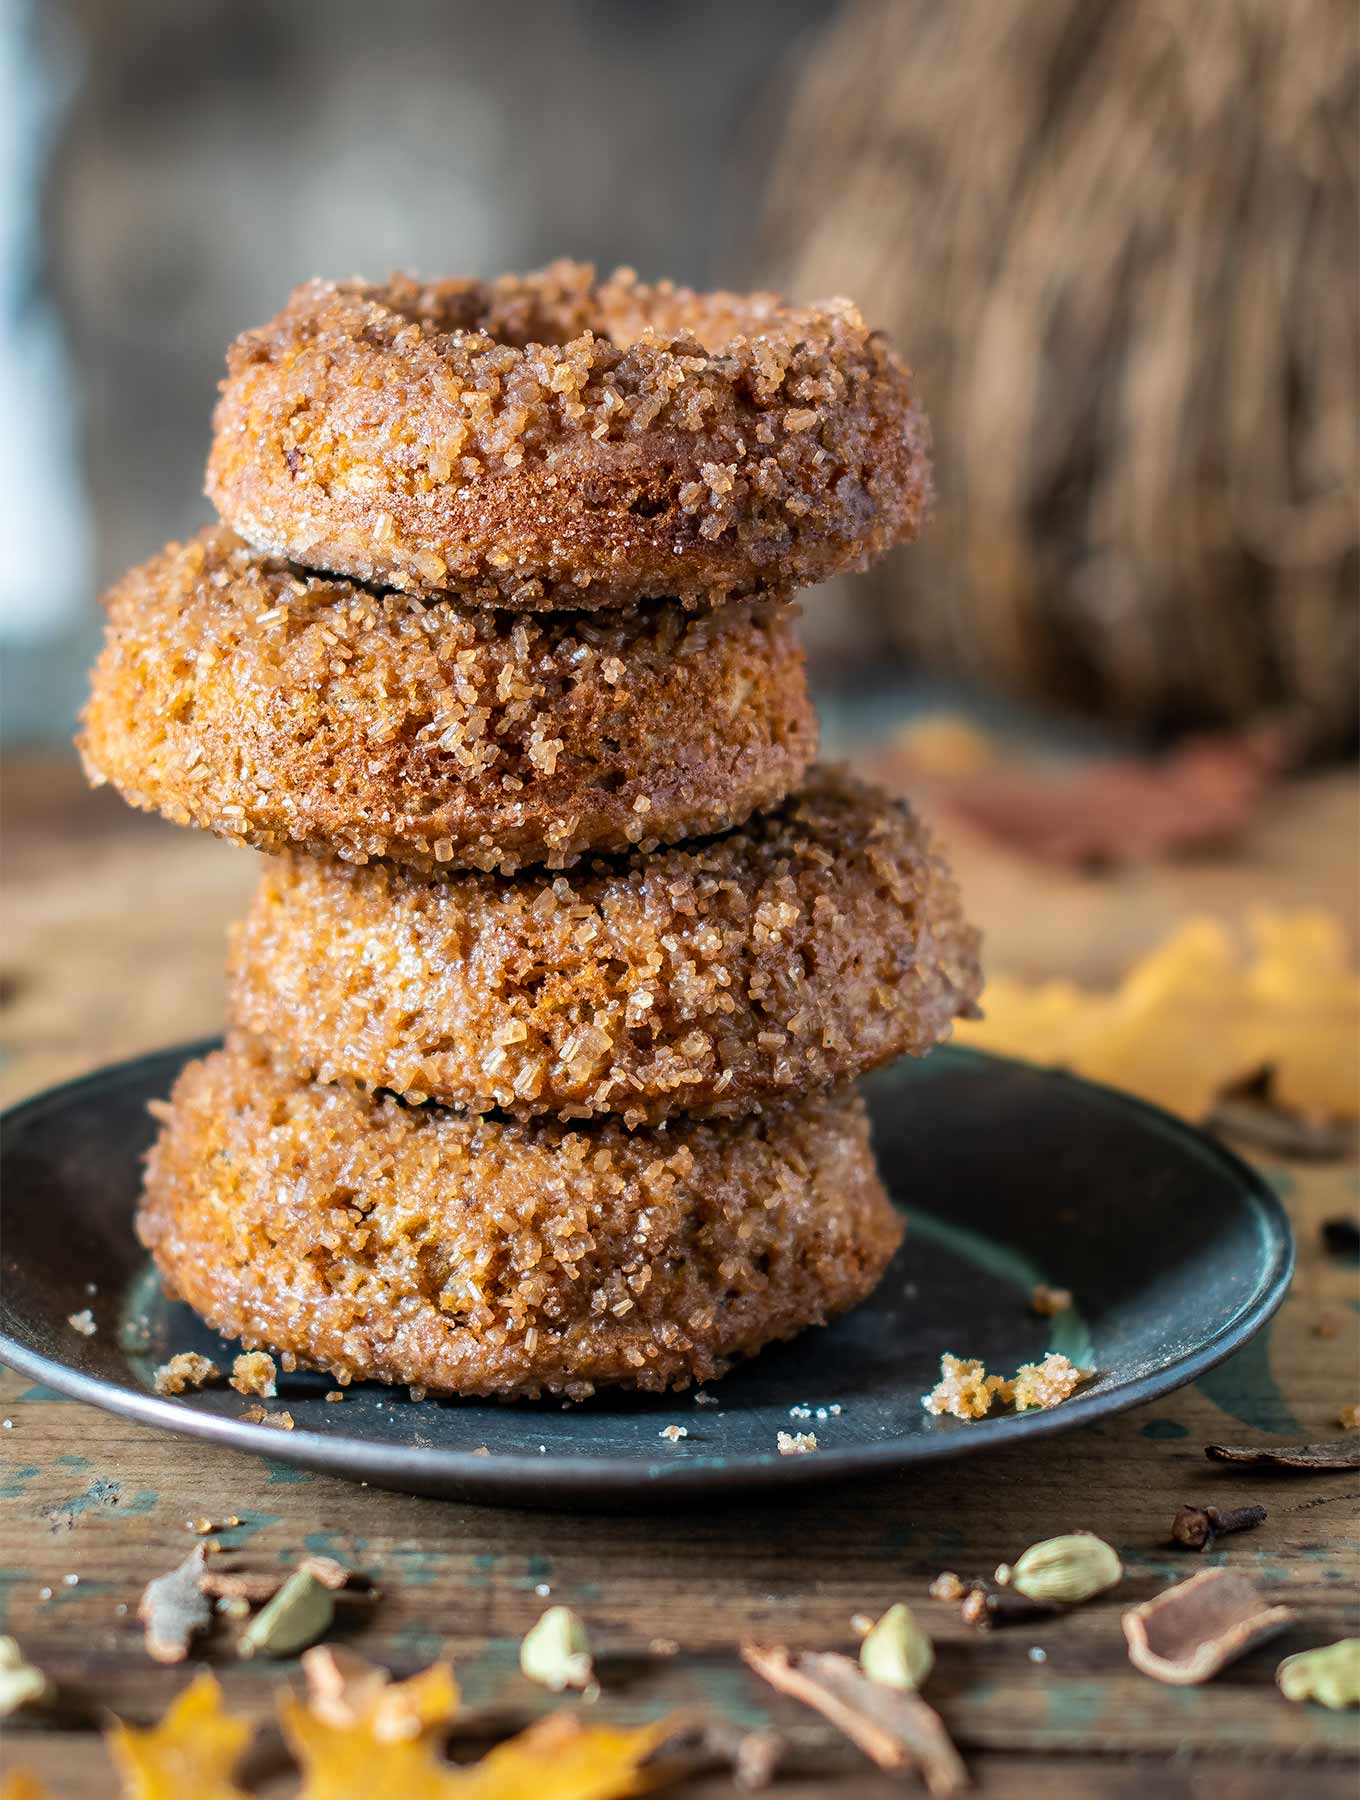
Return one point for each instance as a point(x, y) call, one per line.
point(478, 1256)
point(818, 941)
point(276, 708)
point(547, 441)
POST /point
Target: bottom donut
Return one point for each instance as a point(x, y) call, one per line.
point(468, 1255)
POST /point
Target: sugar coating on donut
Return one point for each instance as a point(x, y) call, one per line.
point(550, 440)
point(482, 1256)
point(819, 940)
point(277, 708)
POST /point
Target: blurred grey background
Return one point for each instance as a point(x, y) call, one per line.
point(169, 171)
point(1117, 241)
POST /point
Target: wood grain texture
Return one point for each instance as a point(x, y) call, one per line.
point(113, 946)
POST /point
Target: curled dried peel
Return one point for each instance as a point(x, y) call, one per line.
point(1189, 1632)
point(1194, 1019)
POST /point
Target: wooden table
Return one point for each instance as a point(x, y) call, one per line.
point(112, 946)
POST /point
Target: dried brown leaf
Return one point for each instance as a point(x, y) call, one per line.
point(174, 1609)
point(1094, 812)
point(893, 1726)
point(702, 1744)
point(1189, 1632)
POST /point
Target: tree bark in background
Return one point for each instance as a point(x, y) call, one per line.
point(1119, 245)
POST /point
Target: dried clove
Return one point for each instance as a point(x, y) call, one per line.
point(986, 1606)
point(1341, 1236)
point(1196, 1527)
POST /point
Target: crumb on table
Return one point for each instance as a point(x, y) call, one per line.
point(796, 1443)
point(83, 1322)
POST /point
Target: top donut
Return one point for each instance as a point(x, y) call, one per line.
point(548, 441)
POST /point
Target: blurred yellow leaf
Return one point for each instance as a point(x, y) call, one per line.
point(20, 1785)
point(361, 1736)
point(365, 1737)
point(561, 1759)
point(192, 1751)
point(1195, 1018)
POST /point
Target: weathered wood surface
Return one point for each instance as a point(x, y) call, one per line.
point(113, 945)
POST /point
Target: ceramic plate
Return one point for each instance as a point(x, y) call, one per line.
point(1176, 1252)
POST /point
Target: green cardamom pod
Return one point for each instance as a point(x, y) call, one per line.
point(20, 1683)
point(897, 1652)
point(1330, 1675)
point(1066, 1570)
point(298, 1615)
point(556, 1652)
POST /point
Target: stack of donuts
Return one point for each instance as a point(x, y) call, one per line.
point(545, 1020)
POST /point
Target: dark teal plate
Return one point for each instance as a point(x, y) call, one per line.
point(1176, 1251)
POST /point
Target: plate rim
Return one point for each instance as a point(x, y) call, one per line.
point(573, 1476)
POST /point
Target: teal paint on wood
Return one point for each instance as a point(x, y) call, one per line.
point(1245, 1387)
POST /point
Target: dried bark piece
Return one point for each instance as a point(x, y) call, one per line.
point(1254, 1122)
point(893, 1727)
point(1189, 1632)
point(705, 1744)
point(1307, 1459)
point(175, 1610)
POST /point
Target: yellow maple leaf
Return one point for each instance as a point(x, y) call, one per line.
point(192, 1750)
point(20, 1785)
point(1194, 1019)
point(361, 1736)
point(561, 1759)
point(377, 1739)
point(1306, 1009)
